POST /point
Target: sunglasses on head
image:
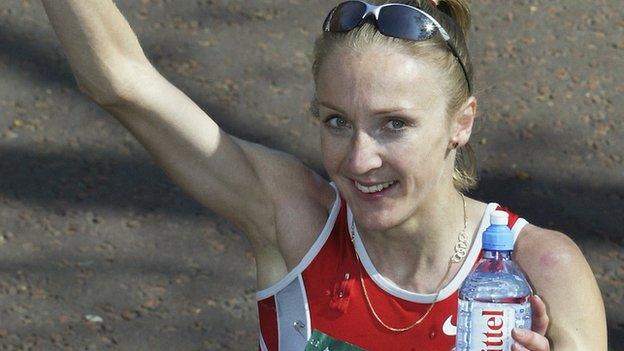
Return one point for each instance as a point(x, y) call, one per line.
point(393, 20)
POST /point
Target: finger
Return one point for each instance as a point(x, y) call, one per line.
point(539, 318)
point(518, 347)
point(530, 340)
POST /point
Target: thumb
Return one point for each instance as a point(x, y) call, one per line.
point(539, 318)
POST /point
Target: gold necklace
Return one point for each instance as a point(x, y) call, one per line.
point(461, 249)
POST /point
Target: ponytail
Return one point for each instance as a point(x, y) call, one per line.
point(459, 11)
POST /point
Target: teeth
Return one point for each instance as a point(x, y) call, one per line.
point(373, 188)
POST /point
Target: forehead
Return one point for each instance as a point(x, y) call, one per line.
point(377, 77)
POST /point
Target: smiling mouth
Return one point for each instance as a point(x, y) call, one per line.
point(371, 189)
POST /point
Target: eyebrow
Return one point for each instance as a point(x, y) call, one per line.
point(378, 112)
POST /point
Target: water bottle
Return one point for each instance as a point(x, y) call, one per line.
point(494, 298)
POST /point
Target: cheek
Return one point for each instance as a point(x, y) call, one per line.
point(331, 153)
point(419, 157)
point(411, 151)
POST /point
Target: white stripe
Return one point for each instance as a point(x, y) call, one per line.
point(291, 311)
point(517, 227)
point(263, 346)
point(308, 322)
point(309, 256)
point(279, 332)
point(393, 289)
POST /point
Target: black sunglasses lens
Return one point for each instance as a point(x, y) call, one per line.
point(346, 16)
point(404, 22)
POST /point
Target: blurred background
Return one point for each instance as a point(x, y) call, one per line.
point(99, 250)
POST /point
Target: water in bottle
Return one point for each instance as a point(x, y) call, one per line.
point(494, 298)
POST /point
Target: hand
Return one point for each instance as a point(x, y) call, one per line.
point(534, 339)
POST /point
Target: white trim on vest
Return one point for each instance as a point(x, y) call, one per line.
point(292, 312)
point(517, 227)
point(393, 289)
point(308, 321)
point(309, 256)
point(263, 346)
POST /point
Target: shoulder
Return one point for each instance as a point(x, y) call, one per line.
point(300, 186)
point(302, 205)
point(546, 248)
point(549, 258)
point(560, 274)
point(295, 205)
point(286, 178)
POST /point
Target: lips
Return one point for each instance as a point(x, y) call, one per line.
point(374, 187)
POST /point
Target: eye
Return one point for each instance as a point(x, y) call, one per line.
point(337, 122)
point(395, 124)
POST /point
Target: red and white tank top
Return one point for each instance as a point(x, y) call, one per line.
point(323, 293)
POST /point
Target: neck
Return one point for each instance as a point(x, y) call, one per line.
point(420, 248)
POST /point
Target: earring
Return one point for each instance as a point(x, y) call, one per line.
point(454, 145)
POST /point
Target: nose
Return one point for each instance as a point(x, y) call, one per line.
point(364, 154)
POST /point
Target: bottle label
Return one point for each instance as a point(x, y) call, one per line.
point(491, 327)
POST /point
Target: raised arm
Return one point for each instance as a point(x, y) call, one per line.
point(240, 181)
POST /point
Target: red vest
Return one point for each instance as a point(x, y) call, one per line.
point(323, 292)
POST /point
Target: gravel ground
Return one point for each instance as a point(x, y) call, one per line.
point(99, 250)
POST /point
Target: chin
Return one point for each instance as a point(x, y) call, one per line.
point(374, 219)
point(373, 226)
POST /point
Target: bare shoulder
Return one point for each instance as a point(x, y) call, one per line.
point(541, 248)
point(299, 198)
point(302, 207)
point(295, 210)
point(549, 257)
point(560, 274)
point(287, 178)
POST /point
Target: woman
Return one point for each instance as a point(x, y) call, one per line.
point(373, 259)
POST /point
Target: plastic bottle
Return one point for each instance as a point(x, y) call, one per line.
point(494, 298)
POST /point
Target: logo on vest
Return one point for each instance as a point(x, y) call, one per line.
point(448, 328)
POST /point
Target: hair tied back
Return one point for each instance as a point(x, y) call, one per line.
point(458, 10)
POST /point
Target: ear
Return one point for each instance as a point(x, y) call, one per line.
point(462, 122)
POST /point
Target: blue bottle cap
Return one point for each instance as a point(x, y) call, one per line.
point(498, 236)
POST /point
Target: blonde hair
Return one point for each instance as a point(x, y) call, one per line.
point(454, 16)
